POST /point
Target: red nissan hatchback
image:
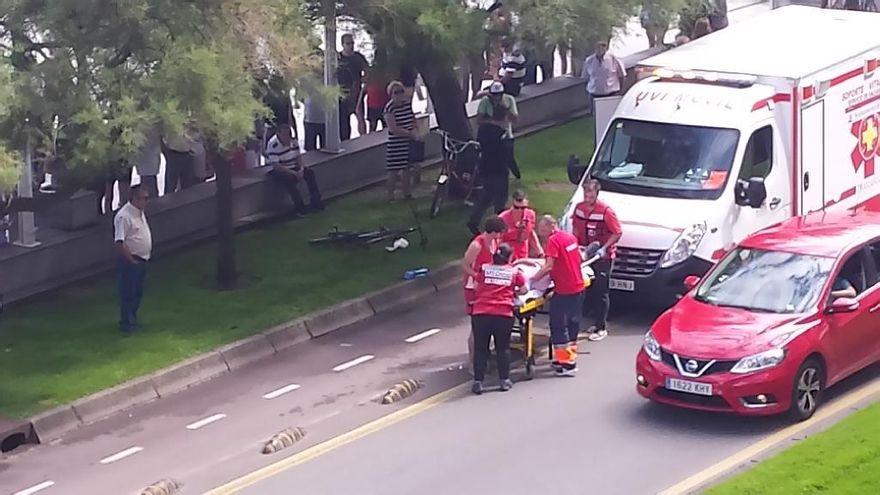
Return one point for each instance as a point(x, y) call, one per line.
point(791, 310)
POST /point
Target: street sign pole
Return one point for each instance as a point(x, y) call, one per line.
point(25, 229)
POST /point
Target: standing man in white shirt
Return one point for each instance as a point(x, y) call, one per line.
point(134, 245)
point(604, 73)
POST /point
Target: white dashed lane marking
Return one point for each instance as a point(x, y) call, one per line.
point(205, 422)
point(424, 335)
point(281, 391)
point(354, 362)
point(36, 488)
point(121, 455)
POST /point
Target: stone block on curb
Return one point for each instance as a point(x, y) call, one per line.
point(288, 334)
point(189, 373)
point(447, 275)
point(244, 352)
point(400, 294)
point(55, 423)
point(338, 316)
point(108, 402)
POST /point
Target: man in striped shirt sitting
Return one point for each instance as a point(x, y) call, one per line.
point(282, 154)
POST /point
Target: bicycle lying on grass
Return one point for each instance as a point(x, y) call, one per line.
point(369, 237)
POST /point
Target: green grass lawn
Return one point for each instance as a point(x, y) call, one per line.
point(66, 345)
point(842, 460)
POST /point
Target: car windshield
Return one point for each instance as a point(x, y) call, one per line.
point(766, 281)
point(666, 160)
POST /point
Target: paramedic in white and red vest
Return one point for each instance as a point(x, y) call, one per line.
point(479, 253)
point(594, 221)
point(497, 283)
point(520, 234)
point(563, 263)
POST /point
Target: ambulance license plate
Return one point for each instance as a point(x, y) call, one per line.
point(689, 387)
point(618, 284)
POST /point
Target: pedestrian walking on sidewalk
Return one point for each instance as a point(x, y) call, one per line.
point(134, 246)
point(594, 221)
point(497, 284)
point(563, 263)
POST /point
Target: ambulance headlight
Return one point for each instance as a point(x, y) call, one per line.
point(684, 246)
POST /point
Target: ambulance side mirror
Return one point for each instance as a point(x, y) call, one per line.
point(750, 193)
point(575, 170)
point(757, 192)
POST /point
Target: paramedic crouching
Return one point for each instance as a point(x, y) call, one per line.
point(492, 315)
point(563, 263)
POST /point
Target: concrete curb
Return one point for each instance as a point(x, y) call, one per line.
point(55, 423)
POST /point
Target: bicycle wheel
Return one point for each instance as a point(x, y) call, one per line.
point(440, 193)
point(335, 237)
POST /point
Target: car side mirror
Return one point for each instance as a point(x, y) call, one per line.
point(843, 305)
point(575, 170)
point(691, 281)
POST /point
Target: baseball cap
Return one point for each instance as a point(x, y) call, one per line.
point(496, 88)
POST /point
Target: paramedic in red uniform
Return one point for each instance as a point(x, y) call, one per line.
point(563, 263)
point(521, 235)
point(479, 253)
point(594, 221)
point(492, 316)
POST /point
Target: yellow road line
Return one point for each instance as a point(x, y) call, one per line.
point(847, 401)
point(339, 441)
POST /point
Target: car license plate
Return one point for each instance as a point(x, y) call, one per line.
point(618, 284)
point(689, 387)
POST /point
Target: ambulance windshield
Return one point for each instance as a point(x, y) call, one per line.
point(667, 160)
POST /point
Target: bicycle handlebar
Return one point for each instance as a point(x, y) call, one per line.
point(455, 146)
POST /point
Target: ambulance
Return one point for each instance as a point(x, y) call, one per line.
point(772, 117)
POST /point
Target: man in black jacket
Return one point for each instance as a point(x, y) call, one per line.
point(492, 174)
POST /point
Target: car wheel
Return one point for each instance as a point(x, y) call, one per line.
point(807, 389)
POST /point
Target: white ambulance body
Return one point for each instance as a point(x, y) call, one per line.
point(772, 117)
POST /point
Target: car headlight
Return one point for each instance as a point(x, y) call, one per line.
point(684, 246)
point(760, 361)
point(651, 347)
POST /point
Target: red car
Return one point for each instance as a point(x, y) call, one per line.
point(791, 310)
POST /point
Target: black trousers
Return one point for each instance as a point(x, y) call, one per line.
point(346, 108)
point(597, 300)
point(313, 132)
point(290, 182)
point(494, 193)
point(510, 157)
point(180, 169)
point(498, 328)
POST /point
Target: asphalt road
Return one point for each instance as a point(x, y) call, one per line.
point(593, 426)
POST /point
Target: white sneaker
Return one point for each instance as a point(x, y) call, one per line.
point(566, 371)
point(598, 335)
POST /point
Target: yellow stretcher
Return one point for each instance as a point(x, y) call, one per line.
point(532, 303)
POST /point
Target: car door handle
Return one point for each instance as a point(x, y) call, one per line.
point(775, 202)
point(874, 309)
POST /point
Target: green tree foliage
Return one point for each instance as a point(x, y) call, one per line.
point(10, 162)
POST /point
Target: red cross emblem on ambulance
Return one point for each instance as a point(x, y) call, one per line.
point(867, 134)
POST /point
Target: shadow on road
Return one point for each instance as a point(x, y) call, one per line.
point(671, 419)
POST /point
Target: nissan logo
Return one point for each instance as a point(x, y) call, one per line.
point(691, 366)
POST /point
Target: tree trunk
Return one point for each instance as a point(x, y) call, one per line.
point(227, 272)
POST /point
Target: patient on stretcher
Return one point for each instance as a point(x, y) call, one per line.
point(537, 288)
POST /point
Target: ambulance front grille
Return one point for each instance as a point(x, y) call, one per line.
point(638, 262)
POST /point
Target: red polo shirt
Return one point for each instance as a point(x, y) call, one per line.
point(518, 239)
point(566, 274)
